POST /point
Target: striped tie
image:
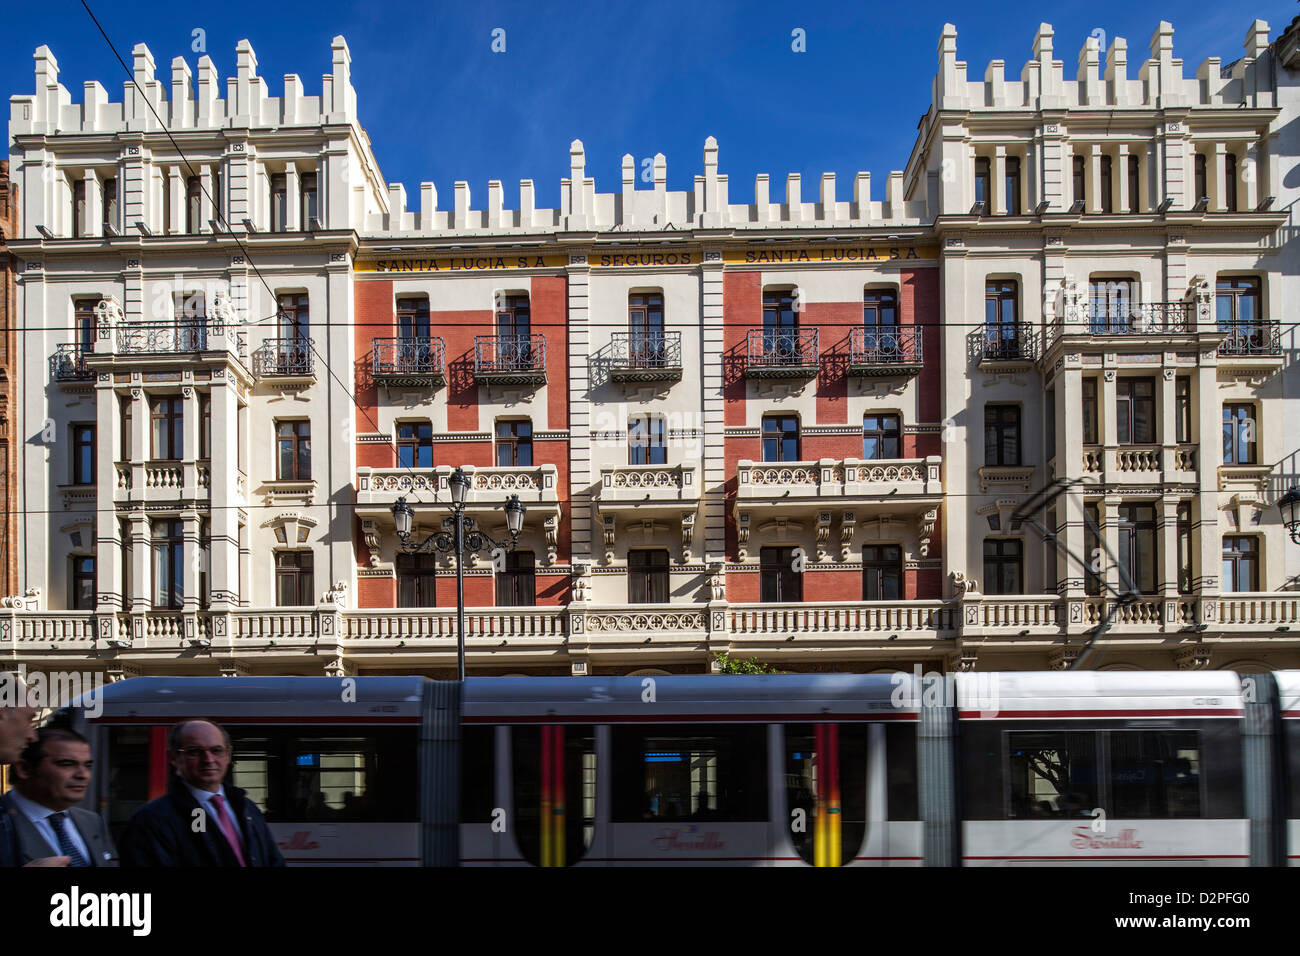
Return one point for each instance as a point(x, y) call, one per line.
point(66, 846)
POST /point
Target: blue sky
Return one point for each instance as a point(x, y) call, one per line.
point(637, 78)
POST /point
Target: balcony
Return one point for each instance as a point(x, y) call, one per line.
point(1137, 318)
point(645, 489)
point(1254, 345)
point(409, 362)
point(1005, 346)
point(1145, 465)
point(755, 627)
point(160, 338)
point(286, 361)
point(510, 359)
point(162, 482)
point(648, 356)
point(882, 351)
point(781, 353)
point(68, 363)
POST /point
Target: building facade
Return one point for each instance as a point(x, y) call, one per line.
point(8, 340)
point(1039, 386)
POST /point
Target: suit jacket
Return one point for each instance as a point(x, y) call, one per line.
point(162, 833)
point(30, 845)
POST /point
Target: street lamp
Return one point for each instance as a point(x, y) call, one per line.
point(1289, 505)
point(460, 536)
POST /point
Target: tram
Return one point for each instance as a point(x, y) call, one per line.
point(1078, 768)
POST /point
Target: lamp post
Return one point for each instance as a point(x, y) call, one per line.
point(460, 535)
point(1289, 505)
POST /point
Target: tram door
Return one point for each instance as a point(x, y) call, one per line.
point(554, 776)
point(826, 790)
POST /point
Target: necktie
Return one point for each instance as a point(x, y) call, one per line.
point(66, 846)
point(228, 827)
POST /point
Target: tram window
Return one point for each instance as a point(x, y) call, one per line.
point(900, 757)
point(127, 761)
point(1051, 775)
point(1155, 773)
point(1292, 730)
point(251, 768)
point(690, 773)
point(810, 749)
point(478, 774)
point(570, 799)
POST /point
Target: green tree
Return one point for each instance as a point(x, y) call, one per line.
point(734, 665)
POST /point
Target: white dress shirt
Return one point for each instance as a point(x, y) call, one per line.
point(39, 815)
point(204, 797)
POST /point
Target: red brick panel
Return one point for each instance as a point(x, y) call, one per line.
point(839, 585)
point(552, 589)
point(549, 308)
point(376, 318)
point(457, 453)
point(376, 592)
point(919, 305)
point(744, 587)
point(742, 309)
point(458, 329)
point(833, 322)
point(557, 453)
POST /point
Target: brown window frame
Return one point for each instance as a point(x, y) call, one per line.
point(174, 430)
point(1091, 433)
point(293, 311)
point(647, 576)
point(1230, 182)
point(1079, 180)
point(1139, 523)
point(882, 564)
point(777, 576)
point(279, 208)
point(513, 442)
point(78, 576)
point(1126, 411)
point(1233, 426)
point(783, 434)
point(108, 202)
point(1006, 420)
point(516, 586)
point(646, 442)
point(984, 178)
point(1011, 184)
point(298, 436)
point(298, 570)
point(83, 322)
point(193, 204)
point(1105, 186)
point(1186, 548)
point(167, 542)
point(413, 317)
point(1182, 409)
point(1134, 184)
point(79, 208)
point(308, 185)
point(417, 580)
point(1007, 553)
point(1200, 181)
point(415, 444)
point(1236, 557)
point(80, 431)
point(883, 427)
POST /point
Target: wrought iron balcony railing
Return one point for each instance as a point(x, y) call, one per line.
point(646, 356)
point(510, 359)
point(285, 358)
point(781, 353)
point(190, 335)
point(68, 363)
point(885, 350)
point(1002, 342)
point(1122, 317)
point(1262, 337)
point(409, 361)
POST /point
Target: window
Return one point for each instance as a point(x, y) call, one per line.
point(168, 541)
point(516, 585)
point(310, 207)
point(881, 437)
point(279, 202)
point(1001, 320)
point(1185, 578)
point(1230, 182)
point(294, 585)
point(1105, 186)
point(1080, 180)
point(1183, 408)
point(168, 416)
point(880, 319)
point(708, 773)
point(1090, 411)
point(1135, 411)
point(1094, 566)
point(1240, 563)
point(216, 193)
point(983, 185)
point(293, 450)
point(191, 320)
point(109, 203)
point(126, 417)
point(882, 572)
point(1052, 774)
point(78, 208)
point(205, 564)
point(780, 438)
point(514, 444)
point(83, 454)
point(1154, 773)
point(1001, 434)
point(193, 204)
point(779, 581)
point(205, 427)
point(1137, 547)
point(413, 318)
point(81, 596)
point(647, 576)
point(295, 320)
point(414, 445)
point(514, 332)
point(1012, 185)
point(645, 441)
point(645, 323)
point(128, 557)
point(83, 321)
point(1134, 180)
point(1239, 434)
point(780, 326)
point(1002, 566)
point(416, 580)
point(1201, 189)
point(1110, 305)
point(1236, 305)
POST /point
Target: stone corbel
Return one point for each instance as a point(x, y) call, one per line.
point(108, 315)
point(963, 659)
point(962, 585)
point(551, 528)
point(717, 581)
point(925, 530)
point(848, 524)
point(1192, 657)
point(742, 533)
point(370, 534)
point(823, 533)
point(1060, 658)
point(607, 526)
point(581, 574)
point(688, 533)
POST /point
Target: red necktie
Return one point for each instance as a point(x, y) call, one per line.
point(228, 827)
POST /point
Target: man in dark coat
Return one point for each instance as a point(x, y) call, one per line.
point(201, 821)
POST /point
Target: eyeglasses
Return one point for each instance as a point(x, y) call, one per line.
point(195, 752)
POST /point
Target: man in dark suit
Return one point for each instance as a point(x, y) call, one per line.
point(50, 779)
point(201, 820)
